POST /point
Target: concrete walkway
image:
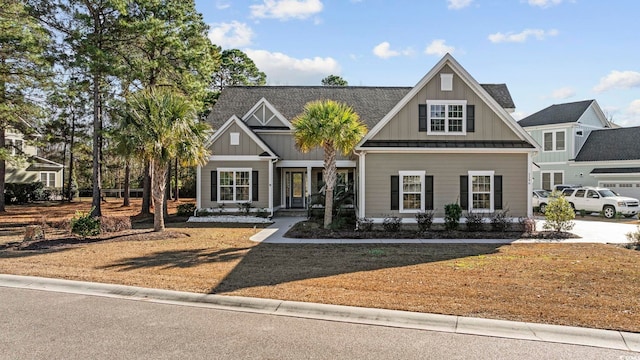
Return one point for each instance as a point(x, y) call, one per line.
point(589, 232)
point(403, 319)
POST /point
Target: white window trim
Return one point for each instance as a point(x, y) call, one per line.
point(402, 174)
point(234, 170)
point(50, 175)
point(446, 121)
point(554, 143)
point(234, 138)
point(471, 174)
point(551, 177)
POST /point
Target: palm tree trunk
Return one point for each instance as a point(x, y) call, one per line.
point(3, 170)
point(146, 190)
point(175, 186)
point(330, 181)
point(159, 183)
point(127, 183)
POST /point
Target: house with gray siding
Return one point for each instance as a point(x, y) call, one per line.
point(446, 140)
point(580, 146)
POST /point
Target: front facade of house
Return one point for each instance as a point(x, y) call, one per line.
point(29, 167)
point(446, 140)
point(581, 147)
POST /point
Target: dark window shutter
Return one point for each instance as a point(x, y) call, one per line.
point(395, 192)
point(254, 185)
point(497, 192)
point(214, 186)
point(428, 196)
point(471, 118)
point(464, 192)
point(422, 117)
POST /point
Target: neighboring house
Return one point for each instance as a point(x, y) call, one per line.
point(446, 140)
point(27, 166)
point(580, 146)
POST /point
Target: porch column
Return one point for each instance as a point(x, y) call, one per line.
point(307, 197)
point(271, 165)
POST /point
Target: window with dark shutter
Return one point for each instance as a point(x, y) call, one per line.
point(422, 117)
point(464, 192)
point(471, 118)
point(254, 185)
point(395, 192)
point(214, 186)
point(428, 195)
point(497, 192)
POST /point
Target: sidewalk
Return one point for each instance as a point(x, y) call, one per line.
point(403, 319)
point(589, 232)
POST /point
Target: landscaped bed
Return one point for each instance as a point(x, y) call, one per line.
point(592, 285)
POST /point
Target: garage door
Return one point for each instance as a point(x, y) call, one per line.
point(627, 188)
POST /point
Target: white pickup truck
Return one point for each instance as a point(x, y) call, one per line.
point(594, 199)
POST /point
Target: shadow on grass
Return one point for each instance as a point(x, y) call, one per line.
point(272, 264)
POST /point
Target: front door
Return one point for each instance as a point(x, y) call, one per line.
point(297, 190)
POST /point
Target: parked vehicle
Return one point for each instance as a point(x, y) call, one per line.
point(561, 187)
point(540, 199)
point(594, 199)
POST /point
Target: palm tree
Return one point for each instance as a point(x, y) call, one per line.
point(333, 126)
point(164, 125)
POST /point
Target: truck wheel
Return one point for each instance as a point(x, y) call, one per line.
point(573, 206)
point(543, 208)
point(609, 212)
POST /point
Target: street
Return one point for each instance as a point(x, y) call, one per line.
point(49, 325)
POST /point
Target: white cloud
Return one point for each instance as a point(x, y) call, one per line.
point(286, 9)
point(231, 35)
point(458, 4)
point(282, 69)
point(221, 5)
point(634, 108)
point(438, 47)
point(519, 115)
point(563, 93)
point(383, 50)
point(522, 36)
point(618, 80)
point(544, 3)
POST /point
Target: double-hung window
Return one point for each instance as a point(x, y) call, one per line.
point(446, 117)
point(411, 191)
point(234, 185)
point(481, 191)
point(551, 178)
point(48, 179)
point(554, 141)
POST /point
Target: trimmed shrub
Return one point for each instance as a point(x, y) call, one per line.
point(186, 209)
point(474, 221)
point(452, 214)
point(391, 223)
point(245, 207)
point(25, 193)
point(364, 224)
point(424, 220)
point(500, 220)
point(84, 224)
point(634, 237)
point(559, 215)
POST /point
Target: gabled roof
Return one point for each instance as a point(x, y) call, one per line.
point(611, 145)
point(484, 95)
point(557, 114)
point(371, 103)
point(235, 120)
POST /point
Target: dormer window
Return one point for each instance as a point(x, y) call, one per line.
point(446, 117)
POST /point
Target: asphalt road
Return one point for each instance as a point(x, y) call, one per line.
point(49, 325)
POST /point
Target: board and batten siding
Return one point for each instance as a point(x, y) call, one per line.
point(264, 115)
point(404, 125)
point(284, 146)
point(554, 156)
point(263, 181)
point(446, 170)
point(222, 145)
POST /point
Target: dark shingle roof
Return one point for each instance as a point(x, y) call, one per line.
point(557, 114)
point(371, 103)
point(611, 144)
point(632, 170)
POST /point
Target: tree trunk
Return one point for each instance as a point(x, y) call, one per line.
point(159, 174)
point(146, 189)
point(97, 149)
point(167, 189)
point(71, 143)
point(330, 181)
point(127, 185)
point(175, 187)
point(3, 169)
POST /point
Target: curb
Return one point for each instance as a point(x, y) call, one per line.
point(610, 339)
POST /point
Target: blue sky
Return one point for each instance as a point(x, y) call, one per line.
point(546, 51)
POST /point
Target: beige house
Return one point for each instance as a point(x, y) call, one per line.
point(28, 167)
point(446, 140)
